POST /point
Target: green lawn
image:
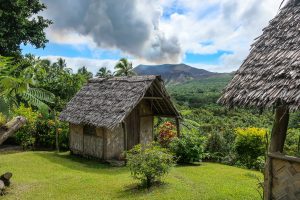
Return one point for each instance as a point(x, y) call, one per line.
point(47, 175)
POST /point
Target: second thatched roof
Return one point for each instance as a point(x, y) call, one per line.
point(106, 102)
point(271, 73)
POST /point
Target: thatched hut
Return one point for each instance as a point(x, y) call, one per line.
point(270, 77)
point(110, 115)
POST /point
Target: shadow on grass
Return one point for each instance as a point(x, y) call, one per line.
point(79, 163)
point(188, 165)
point(135, 189)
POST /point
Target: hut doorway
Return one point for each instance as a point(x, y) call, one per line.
point(133, 129)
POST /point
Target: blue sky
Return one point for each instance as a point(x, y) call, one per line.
point(211, 34)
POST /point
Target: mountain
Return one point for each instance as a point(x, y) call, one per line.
point(174, 73)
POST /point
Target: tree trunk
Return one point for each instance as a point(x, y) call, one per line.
point(11, 127)
point(5, 178)
point(279, 130)
point(278, 137)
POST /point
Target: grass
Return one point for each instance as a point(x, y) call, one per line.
point(48, 175)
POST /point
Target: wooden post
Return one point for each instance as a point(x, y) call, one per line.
point(125, 135)
point(177, 126)
point(278, 137)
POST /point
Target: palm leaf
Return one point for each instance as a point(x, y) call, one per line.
point(42, 94)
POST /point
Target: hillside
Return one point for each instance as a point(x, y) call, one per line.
point(174, 73)
point(198, 93)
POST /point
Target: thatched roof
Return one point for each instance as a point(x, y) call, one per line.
point(271, 73)
point(106, 102)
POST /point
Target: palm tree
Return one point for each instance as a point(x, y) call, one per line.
point(60, 63)
point(124, 68)
point(104, 72)
point(20, 86)
point(84, 71)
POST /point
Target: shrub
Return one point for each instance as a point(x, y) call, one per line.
point(215, 146)
point(166, 134)
point(149, 163)
point(188, 148)
point(46, 132)
point(292, 143)
point(25, 135)
point(250, 144)
point(2, 119)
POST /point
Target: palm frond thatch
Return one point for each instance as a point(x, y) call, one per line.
point(106, 102)
point(270, 75)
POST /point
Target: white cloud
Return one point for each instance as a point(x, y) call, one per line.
point(229, 25)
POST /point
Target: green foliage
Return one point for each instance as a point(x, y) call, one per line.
point(3, 119)
point(149, 163)
point(60, 80)
point(26, 135)
point(292, 143)
point(215, 146)
point(104, 72)
point(85, 73)
point(46, 133)
point(199, 93)
point(124, 68)
point(21, 24)
point(250, 144)
point(18, 84)
point(188, 148)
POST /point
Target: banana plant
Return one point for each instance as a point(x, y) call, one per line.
point(18, 84)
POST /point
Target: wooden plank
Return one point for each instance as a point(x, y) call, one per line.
point(284, 157)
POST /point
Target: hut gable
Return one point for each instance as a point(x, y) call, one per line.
point(106, 102)
point(271, 72)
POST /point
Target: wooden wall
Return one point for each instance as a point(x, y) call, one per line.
point(284, 177)
point(87, 145)
point(115, 143)
point(146, 123)
point(110, 144)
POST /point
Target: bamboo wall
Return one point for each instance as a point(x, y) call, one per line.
point(284, 177)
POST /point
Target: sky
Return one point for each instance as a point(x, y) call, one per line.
point(215, 35)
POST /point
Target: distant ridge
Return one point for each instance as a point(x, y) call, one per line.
point(174, 73)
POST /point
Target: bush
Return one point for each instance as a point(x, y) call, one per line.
point(3, 119)
point(166, 134)
point(215, 146)
point(188, 148)
point(250, 144)
point(26, 135)
point(149, 163)
point(292, 143)
point(46, 133)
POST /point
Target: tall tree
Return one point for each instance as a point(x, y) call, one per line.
point(104, 72)
point(20, 24)
point(124, 68)
point(60, 64)
point(84, 71)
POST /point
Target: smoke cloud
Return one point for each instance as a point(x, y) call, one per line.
point(129, 25)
